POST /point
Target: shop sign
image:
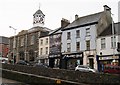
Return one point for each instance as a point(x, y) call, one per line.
point(109, 57)
point(52, 56)
point(75, 56)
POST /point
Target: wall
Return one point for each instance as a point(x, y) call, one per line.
point(82, 38)
point(61, 74)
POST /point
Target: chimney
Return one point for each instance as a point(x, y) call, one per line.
point(106, 8)
point(76, 17)
point(64, 22)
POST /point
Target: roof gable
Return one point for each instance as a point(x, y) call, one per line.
point(58, 30)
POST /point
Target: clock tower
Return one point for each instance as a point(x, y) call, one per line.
point(38, 18)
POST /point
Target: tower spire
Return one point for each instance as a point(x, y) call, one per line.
point(39, 6)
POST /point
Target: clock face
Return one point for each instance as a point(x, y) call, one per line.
point(41, 19)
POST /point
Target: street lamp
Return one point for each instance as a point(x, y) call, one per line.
point(13, 43)
point(113, 34)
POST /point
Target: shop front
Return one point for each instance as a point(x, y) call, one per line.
point(42, 59)
point(71, 60)
point(54, 60)
point(107, 59)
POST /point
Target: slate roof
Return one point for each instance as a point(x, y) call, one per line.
point(108, 31)
point(38, 12)
point(58, 30)
point(85, 20)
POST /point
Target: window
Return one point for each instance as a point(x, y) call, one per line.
point(46, 41)
point(46, 50)
point(68, 47)
point(88, 45)
point(22, 42)
point(68, 35)
point(32, 40)
point(113, 41)
point(77, 46)
point(41, 51)
point(103, 43)
point(77, 33)
point(41, 42)
point(88, 32)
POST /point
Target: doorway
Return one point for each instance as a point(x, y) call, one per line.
point(91, 62)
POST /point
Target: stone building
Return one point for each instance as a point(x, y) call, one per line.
point(4, 46)
point(27, 41)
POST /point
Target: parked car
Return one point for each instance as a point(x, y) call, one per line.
point(40, 65)
point(113, 69)
point(3, 60)
point(22, 62)
point(84, 68)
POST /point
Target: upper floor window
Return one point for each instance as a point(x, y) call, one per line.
point(88, 45)
point(46, 41)
point(113, 46)
point(103, 43)
point(41, 42)
point(68, 35)
point(41, 51)
point(77, 33)
point(32, 39)
point(77, 46)
point(68, 47)
point(46, 50)
point(22, 42)
point(88, 32)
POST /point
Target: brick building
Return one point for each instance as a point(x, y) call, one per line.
point(4, 46)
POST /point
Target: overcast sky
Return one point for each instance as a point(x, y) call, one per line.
point(19, 13)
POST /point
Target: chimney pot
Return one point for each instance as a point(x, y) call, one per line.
point(76, 17)
point(106, 8)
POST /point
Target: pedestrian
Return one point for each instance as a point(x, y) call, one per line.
point(102, 67)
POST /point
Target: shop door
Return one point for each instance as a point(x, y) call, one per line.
point(91, 63)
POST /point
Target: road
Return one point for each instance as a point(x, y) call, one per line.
point(4, 80)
